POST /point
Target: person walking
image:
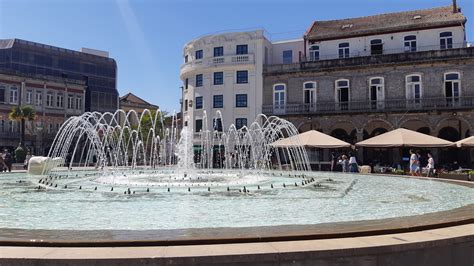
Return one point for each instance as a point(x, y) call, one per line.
point(430, 165)
point(3, 166)
point(345, 164)
point(354, 167)
point(333, 161)
point(27, 160)
point(414, 163)
point(8, 160)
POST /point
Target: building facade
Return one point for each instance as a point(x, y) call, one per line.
point(131, 102)
point(364, 76)
point(57, 83)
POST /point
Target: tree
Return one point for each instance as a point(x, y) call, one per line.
point(22, 114)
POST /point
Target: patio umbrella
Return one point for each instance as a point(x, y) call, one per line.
point(402, 137)
point(313, 139)
point(467, 142)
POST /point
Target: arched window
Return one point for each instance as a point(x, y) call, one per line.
point(314, 53)
point(446, 40)
point(344, 50)
point(376, 47)
point(279, 98)
point(414, 88)
point(452, 87)
point(410, 43)
point(309, 95)
point(376, 92)
point(342, 94)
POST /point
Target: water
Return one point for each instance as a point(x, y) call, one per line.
point(345, 197)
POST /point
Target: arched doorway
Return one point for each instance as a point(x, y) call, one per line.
point(452, 158)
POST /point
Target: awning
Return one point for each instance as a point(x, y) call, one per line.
point(467, 142)
point(313, 139)
point(402, 137)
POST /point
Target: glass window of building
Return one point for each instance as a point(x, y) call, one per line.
point(29, 96)
point(70, 101)
point(309, 94)
point(218, 78)
point(240, 123)
point(410, 43)
point(314, 53)
point(218, 51)
point(199, 54)
point(376, 47)
point(13, 94)
point(287, 57)
point(242, 49)
point(241, 100)
point(49, 99)
point(452, 86)
point(186, 84)
point(2, 94)
point(199, 102)
point(185, 105)
point(39, 98)
point(376, 92)
point(344, 50)
point(279, 98)
point(60, 100)
point(218, 101)
point(242, 77)
point(79, 102)
point(198, 125)
point(446, 40)
point(185, 58)
point(342, 93)
point(199, 80)
point(414, 88)
point(217, 124)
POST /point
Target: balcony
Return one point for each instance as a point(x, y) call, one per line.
point(391, 105)
point(218, 61)
point(356, 59)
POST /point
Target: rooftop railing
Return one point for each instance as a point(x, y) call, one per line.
point(220, 60)
point(389, 105)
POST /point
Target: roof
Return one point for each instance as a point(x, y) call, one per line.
point(134, 99)
point(402, 137)
point(313, 139)
point(467, 142)
point(385, 23)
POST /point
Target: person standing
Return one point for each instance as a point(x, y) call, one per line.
point(430, 165)
point(3, 166)
point(8, 160)
point(27, 161)
point(333, 161)
point(345, 164)
point(353, 163)
point(413, 163)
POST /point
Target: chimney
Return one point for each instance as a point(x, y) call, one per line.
point(455, 7)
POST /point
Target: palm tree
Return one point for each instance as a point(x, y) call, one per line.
point(22, 114)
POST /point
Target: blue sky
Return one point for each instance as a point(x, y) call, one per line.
point(146, 37)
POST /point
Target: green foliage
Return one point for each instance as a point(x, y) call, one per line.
point(21, 113)
point(20, 154)
point(398, 172)
point(471, 173)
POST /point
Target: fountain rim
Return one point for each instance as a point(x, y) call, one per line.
point(205, 236)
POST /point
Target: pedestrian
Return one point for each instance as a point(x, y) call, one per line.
point(27, 160)
point(413, 163)
point(430, 166)
point(333, 161)
point(354, 167)
point(345, 164)
point(8, 160)
point(3, 166)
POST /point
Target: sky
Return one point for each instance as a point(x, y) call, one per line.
point(146, 37)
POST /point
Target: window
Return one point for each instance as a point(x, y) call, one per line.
point(242, 49)
point(199, 102)
point(217, 124)
point(279, 98)
point(59, 100)
point(240, 123)
point(414, 89)
point(452, 87)
point(218, 51)
point(49, 99)
point(198, 125)
point(446, 40)
point(38, 98)
point(185, 105)
point(13, 95)
point(79, 102)
point(287, 57)
point(410, 43)
point(50, 128)
point(242, 77)
point(218, 78)
point(376, 47)
point(186, 83)
point(344, 50)
point(199, 54)
point(314, 53)
point(376, 93)
point(241, 100)
point(199, 80)
point(70, 101)
point(218, 101)
point(342, 94)
point(29, 96)
point(2, 94)
point(309, 95)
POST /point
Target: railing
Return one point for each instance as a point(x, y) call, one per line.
point(424, 104)
point(221, 60)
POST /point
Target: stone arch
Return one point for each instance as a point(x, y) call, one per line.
point(308, 125)
point(450, 121)
point(347, 125)
point(377, 123)
point(416, 125)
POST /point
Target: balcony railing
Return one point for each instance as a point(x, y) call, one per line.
point(221, 60)
point(390, 105)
